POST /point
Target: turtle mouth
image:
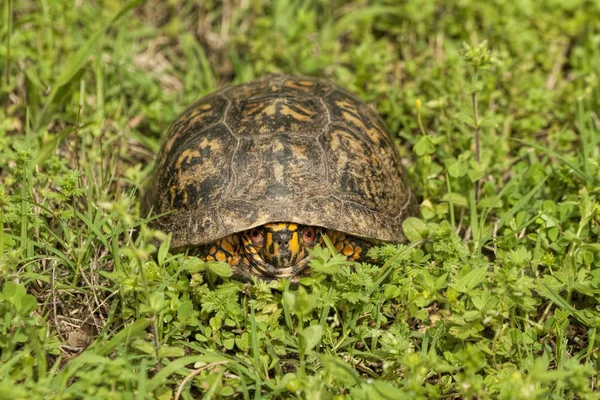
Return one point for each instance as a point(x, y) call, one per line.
point(268, 271)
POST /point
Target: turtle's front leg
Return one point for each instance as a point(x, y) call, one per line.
point(226, 250)
point(351, 246)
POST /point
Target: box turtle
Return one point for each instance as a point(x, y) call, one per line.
point(256, 174)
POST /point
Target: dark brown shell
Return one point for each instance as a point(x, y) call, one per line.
point(281, 148)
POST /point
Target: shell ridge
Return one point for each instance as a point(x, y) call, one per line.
point(323, 152)
point(232, 184)
point(357, 205)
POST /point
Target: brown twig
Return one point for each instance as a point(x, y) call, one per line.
point(477, 140)
point(7, 63)
point(193, 374)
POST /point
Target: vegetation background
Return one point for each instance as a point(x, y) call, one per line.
point(495, 108)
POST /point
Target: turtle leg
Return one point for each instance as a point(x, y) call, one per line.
point(229, 250)
point(226, 250)
point(351, 246)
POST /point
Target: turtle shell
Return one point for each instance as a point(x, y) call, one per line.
point(281, 148)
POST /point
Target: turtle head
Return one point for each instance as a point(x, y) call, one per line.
point(279, 250)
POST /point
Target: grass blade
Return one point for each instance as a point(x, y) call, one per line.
point(590, 179)
point(78, 61)
point(521, 203)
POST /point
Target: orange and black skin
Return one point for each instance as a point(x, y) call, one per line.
point(278, 250)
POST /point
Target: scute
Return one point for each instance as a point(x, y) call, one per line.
point(199, 172)
point(199, 116)
point(350, 111)
point(282, 168)
point(276, 114)
point(357, 172)
point(282, 148)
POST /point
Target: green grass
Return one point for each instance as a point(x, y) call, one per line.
point(495, 107)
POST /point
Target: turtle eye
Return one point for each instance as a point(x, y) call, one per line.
point(309, 234)
point(256, 235)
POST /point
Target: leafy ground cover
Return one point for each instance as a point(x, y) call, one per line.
point(495, 108)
